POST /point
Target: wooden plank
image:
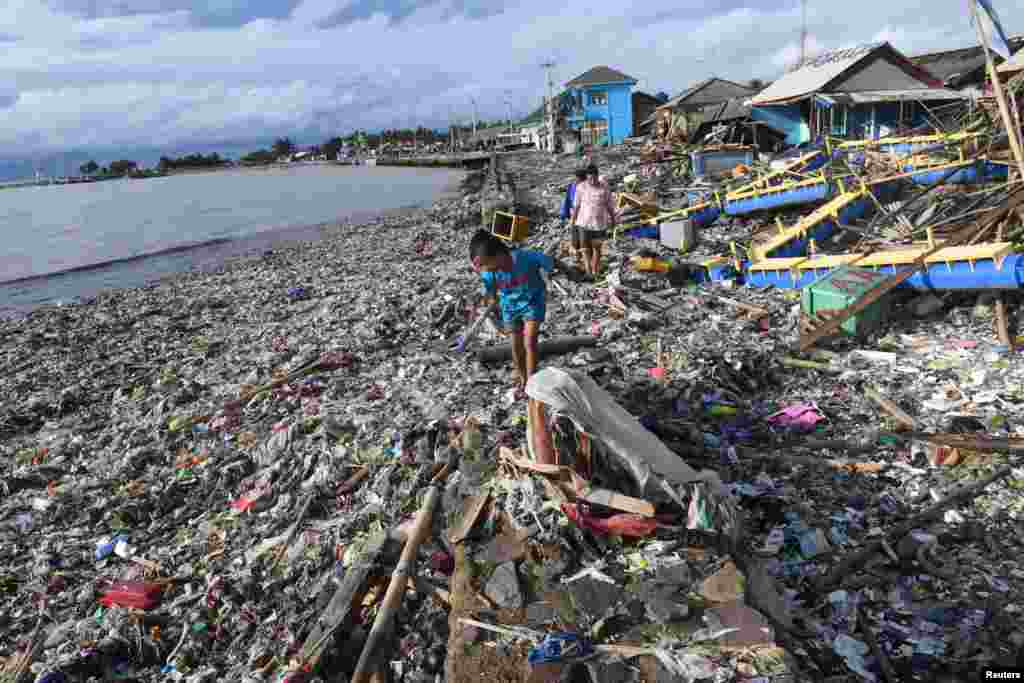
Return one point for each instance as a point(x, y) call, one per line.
point(894, 410)
point(883, 288)
point(617, 501)
point(342, 607)
point(474, 506)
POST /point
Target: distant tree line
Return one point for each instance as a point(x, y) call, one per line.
point(122, 167)
point(192, 161)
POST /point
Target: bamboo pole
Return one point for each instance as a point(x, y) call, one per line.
point(997, 87)
point(399, 580)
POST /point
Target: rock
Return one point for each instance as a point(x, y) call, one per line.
point(983, 308)
point(547, 672)
point(926, 305)
point(553, 567)
point(538, 613)
point(661, 603)
point(754, 629)
point(676, 575)
point(503, 587)
point(606, 670)
point(506, 547)
point(763, 595)
point(724, 586)
point(594, 597)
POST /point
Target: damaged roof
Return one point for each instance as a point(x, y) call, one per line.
point(1015, 63)
point(600, 75)
point(731, 109)
point(819, 73)
point(708, 92)
point(960, 66)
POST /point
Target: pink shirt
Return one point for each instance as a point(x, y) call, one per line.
point(593, 207)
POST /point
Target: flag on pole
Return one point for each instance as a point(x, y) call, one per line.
point(991, 28)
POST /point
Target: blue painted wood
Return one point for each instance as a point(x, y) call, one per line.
point(959, 275)
point(775, 200)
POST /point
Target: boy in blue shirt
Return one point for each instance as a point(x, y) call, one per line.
point(512, 277)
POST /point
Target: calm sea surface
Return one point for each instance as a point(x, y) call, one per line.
point(73, 241)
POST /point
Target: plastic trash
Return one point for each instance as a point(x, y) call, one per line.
point(105, 546)
point(559, 647)
point(137, 594)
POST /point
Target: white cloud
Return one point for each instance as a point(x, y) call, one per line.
point(132, 80)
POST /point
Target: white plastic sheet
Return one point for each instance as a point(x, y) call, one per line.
point(593, 411)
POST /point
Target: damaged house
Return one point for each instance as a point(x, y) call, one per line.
point(644, 107)
point(680, 116)
point(963, 68)
point(865, 92)
point(730, 123)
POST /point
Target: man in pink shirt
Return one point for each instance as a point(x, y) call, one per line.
point(593, 214)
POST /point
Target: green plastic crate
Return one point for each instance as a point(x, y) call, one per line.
point(840, 288)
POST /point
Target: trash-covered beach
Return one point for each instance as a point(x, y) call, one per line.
point(251, 474)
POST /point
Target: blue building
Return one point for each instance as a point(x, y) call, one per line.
point(599, 105)
point(867, 92)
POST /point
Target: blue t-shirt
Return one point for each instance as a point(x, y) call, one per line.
point(570, 198)
point(522, 288)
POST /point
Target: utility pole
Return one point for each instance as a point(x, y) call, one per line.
point(549, 108)
point(803, 31)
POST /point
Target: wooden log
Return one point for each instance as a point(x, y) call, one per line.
point(894, 410)
point(474, 506)
point(555, 347)
point(341, 609)
point(854, 561)
point(617, 501)
point(399, 581)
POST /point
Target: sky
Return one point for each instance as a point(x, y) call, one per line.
point(108, 78)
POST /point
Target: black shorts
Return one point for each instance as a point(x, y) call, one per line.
point(584, 237)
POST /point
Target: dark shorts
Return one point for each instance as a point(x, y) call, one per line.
point(514, 321)
point(584, 237)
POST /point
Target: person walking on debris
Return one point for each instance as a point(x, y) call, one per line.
point(513, 278)
point(567, 209)
point(593, 214)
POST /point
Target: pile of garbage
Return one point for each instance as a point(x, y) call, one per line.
point(291, 470)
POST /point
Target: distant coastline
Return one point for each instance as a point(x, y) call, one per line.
point(83, 180)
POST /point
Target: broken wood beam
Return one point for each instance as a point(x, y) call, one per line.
point(338, 616)
point(399, 581)
point(981, 444)
point(809, 461)
point(854, 561)
point(894, 410)
point(556, 347)
point(825, 328)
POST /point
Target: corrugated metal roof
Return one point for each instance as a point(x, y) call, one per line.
point(732, 109)
point(954, 67)
point(922, 95)
point(814, 74)
point(720, 88)
point(600, 75)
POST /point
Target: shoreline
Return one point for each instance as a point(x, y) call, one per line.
point(231, 249)
point(256, 432)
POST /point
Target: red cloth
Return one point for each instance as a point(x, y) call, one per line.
point(619, 525)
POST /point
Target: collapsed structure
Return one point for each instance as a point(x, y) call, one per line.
point(296, 469)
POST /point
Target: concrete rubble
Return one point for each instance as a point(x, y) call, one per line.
point(213, 478)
